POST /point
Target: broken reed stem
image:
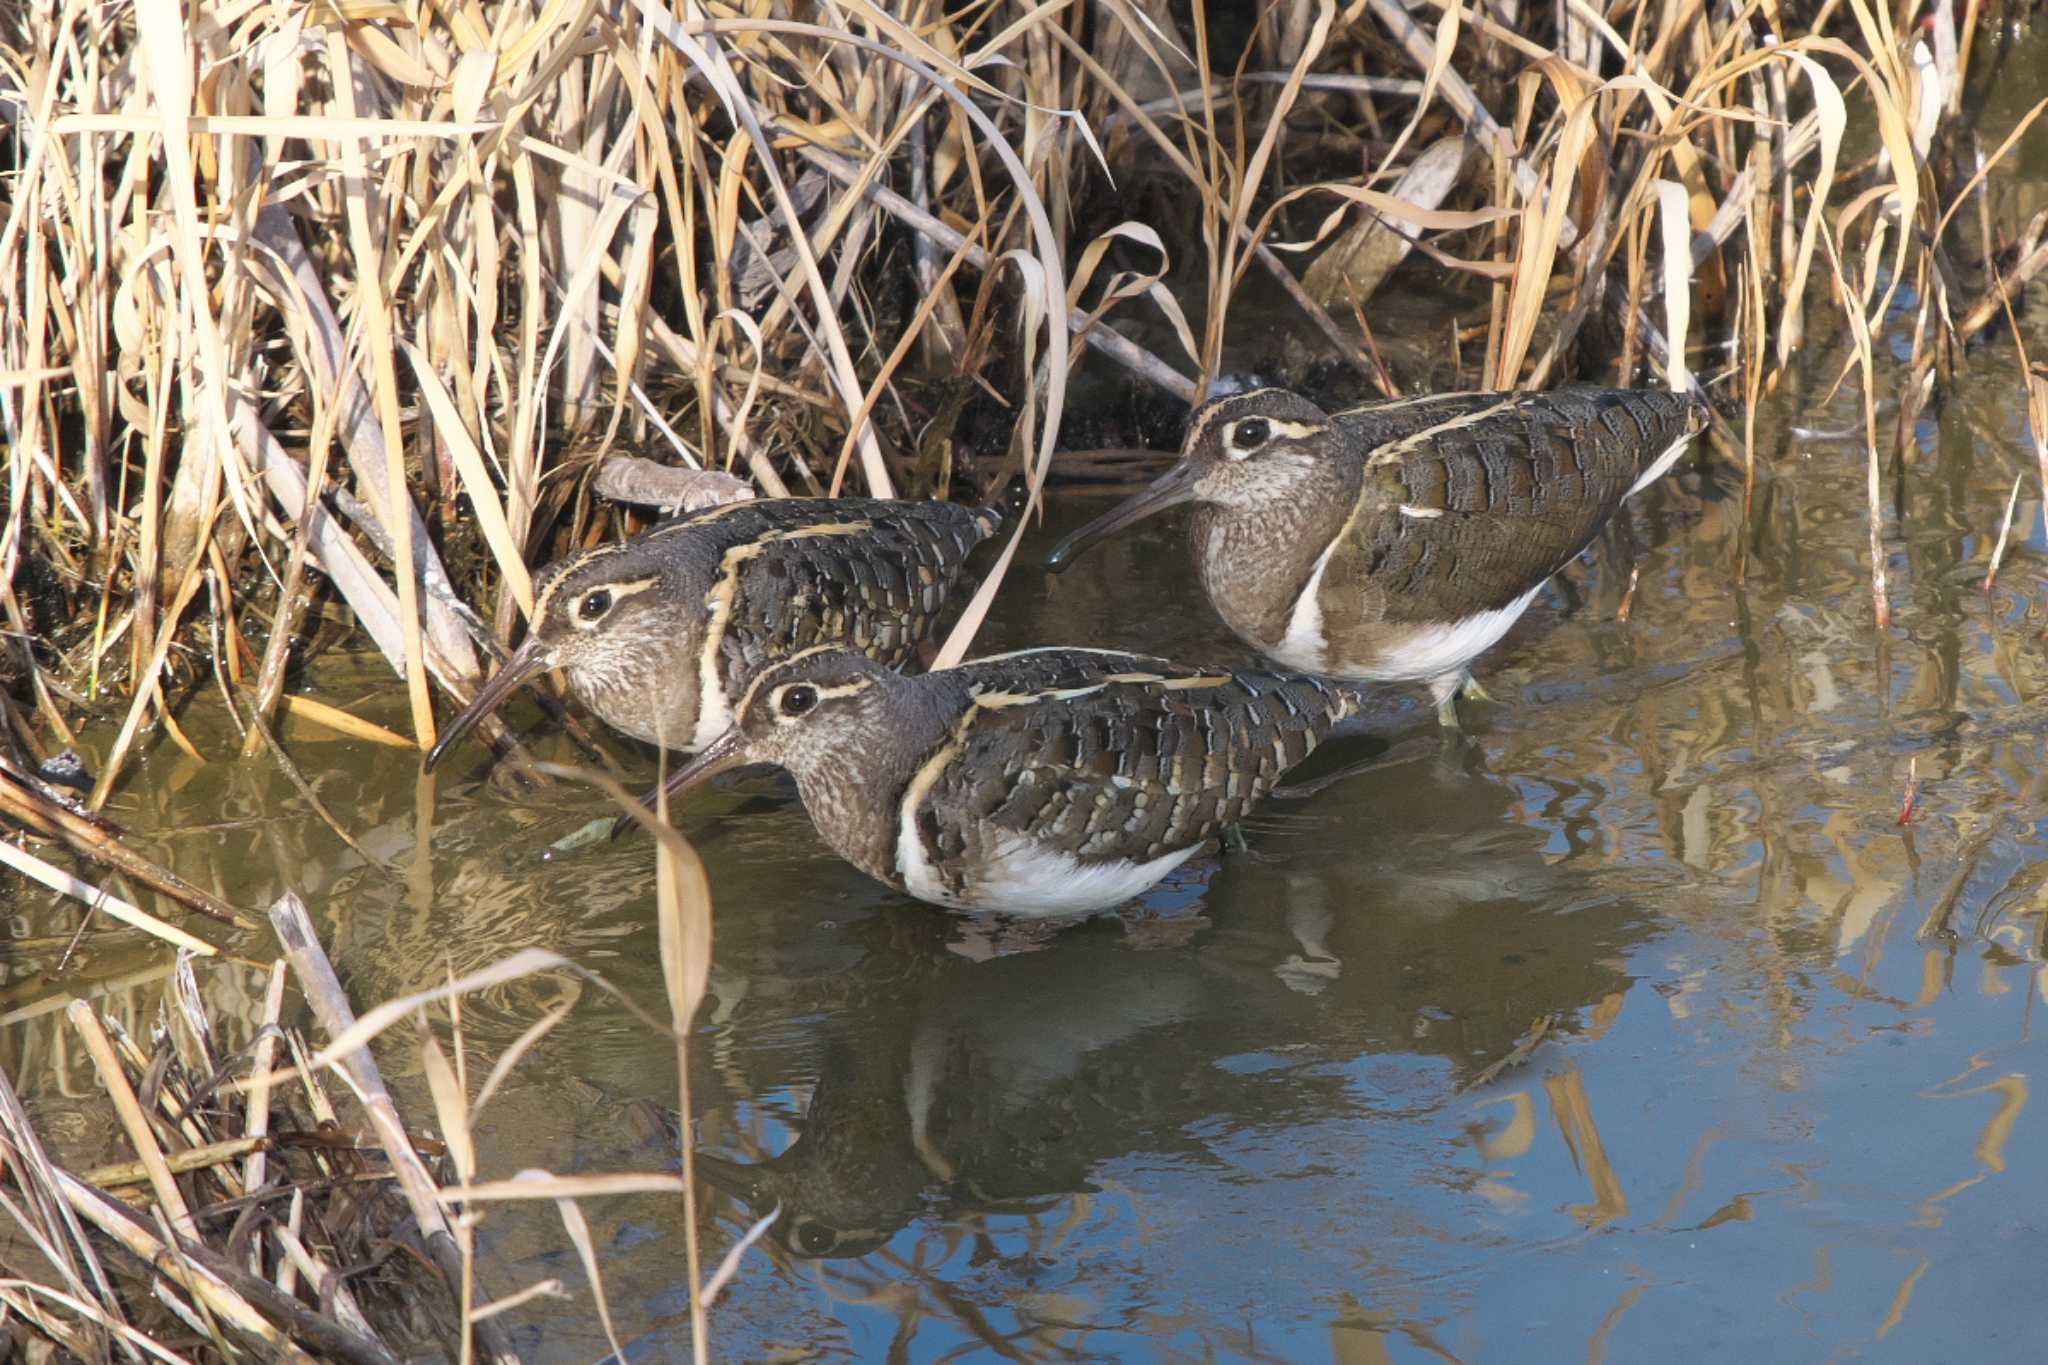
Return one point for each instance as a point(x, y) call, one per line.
point(256, 1113)
point(177, 1163)
point(114, 1081)
point(25, 806)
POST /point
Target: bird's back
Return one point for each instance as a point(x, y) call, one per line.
point(1472, 500)
point(781, 575)
point(1109, 756)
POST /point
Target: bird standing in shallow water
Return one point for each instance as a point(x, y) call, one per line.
point(1048, 782)
point(659, 633)
point(1399, 540)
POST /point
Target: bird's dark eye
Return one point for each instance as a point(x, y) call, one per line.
point(1250, 434)
point(798, 699)
point(594, 604)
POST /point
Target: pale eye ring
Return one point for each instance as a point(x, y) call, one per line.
point(594, 605)
point(1247, 435)
point(797, 699)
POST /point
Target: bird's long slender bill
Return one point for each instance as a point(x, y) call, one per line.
point(526, 661)
point(736, 1178)
point(1175, 486)
point(727, 751)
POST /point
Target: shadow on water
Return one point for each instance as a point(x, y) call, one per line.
point(975, 1086)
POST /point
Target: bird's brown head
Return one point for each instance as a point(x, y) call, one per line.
point(1244, 452)
point(827, 710)
point(796, 711)
point(618, 621)
point(819, 700)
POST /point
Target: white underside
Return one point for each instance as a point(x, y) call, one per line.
point(1021, 876)
point(1438, 653)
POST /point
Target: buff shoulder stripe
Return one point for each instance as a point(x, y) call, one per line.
point(927, 776)
point(703, 517)
point(1397, 451)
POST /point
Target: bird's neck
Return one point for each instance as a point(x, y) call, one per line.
point(1255, 561)
point(854, 791)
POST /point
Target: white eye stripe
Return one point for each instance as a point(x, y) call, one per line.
point(780, 695)
point(1248, 435)
point(617, 592)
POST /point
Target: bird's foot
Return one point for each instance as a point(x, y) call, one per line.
point(1466, 689)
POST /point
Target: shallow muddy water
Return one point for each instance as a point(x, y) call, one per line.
point(1637, 1023)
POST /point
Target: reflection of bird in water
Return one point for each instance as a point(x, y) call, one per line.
point(967, 1088)
point(981, 1088)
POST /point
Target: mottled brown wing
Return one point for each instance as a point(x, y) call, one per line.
point(870, 574)
point(1469, 511)
point(1131, 769)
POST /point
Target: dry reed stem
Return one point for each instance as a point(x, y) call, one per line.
point(177, 1163)
point(256, 1114)
point(330, 1004)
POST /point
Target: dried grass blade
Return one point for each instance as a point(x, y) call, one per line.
point(1672, 203)
point(543, 1289)
point(160, 31)
point(342, 722)
point(374, 313)
point(1833, 120)
point(729, 1265)
point(453, 432)
point(579, 1234)
point(360, 1031)
point(1541, 236)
